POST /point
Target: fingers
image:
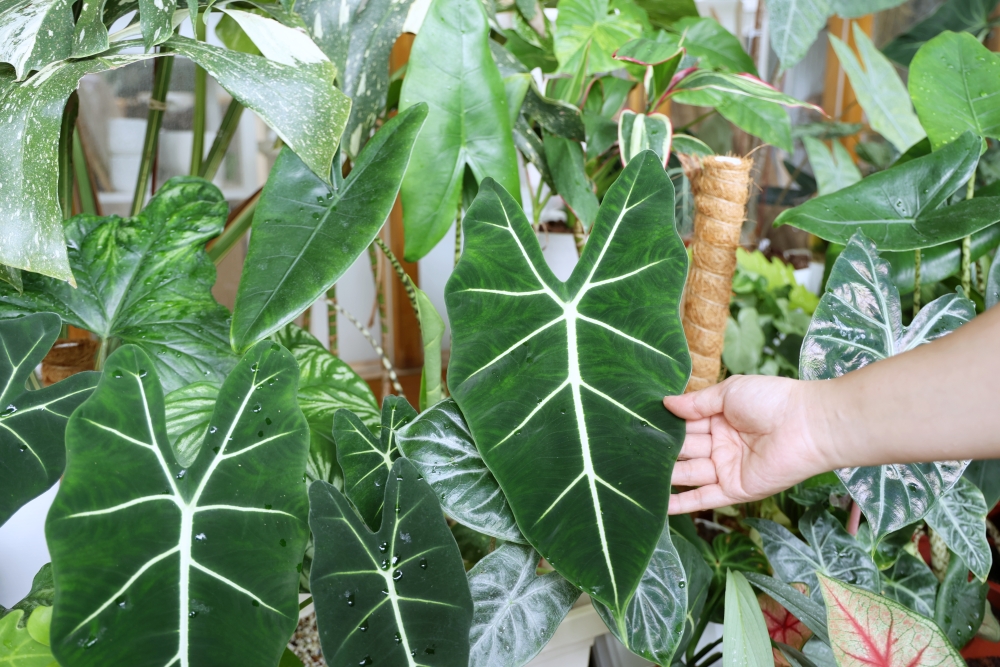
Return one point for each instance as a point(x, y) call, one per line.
point(704, 498)
point(698, 404)
point(696, 446)
point(699, 472)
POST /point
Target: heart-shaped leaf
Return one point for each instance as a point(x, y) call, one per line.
point(961, 604)
point(912, 584)
point(587, 35)
point(638, 132)
point(181, 565)
point(971, 16)
point(438, 443)
point(516, 611)
point(566, 373)
point(745, 642)
point(859, 321)
point(808, 611)
point(33, 423)
point(565, 160)
point(395, 597)
point(959, 517)
point(833, 170)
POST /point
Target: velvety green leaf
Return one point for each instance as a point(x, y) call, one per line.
point(587, 35)
point(34, 34)
point(32, 423)
point(20, 649)
point(42, 593)
point(698, 576)
point(468, 126)
point(867, 629)
point(565, 160)
point(735, 551)
point(395, 597)
point(431, 332)
point(833, 170)
point(986, 475)
point(745, 641)
point(852, 9)
point(961, 604)
point(808, 611)
point(638, 132)
point(198, 564)
point(938, 262)
point(715, 47)
point(189, 414)
point(959, 517)
point(912, 584)
point(574, 355)
point(880, 91)
point(306, 234)
point(438, 443)
point(958, 15)
point(794, 26)
point(516, 612)
point(744, 342)
point(954, 81)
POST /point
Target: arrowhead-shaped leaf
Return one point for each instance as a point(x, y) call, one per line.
point(971, 16)
point(833, 170)
point(193, 565)
point(567, 373)
point(912, 584)
point(959, 517)
point(587, 35)
point(961, 604)
point(396, 597)
point(33, 423)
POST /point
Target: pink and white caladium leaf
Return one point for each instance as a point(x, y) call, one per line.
point(867, 630)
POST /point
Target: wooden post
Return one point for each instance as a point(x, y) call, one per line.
point(839, 100)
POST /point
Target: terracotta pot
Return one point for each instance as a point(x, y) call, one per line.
point(68, 357)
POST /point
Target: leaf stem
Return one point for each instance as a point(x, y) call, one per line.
point(235, 230)
point(227, 130)
point(916, 281)
point(403, 276)
point(162, 68)
point(375, 346)
point(706, 614)
point(458, 237)
point(200, 102)
point(88, 198)
point(967, 245)
point(66, 133)
point(703, 652)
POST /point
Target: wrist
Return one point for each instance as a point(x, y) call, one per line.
point(827, 425)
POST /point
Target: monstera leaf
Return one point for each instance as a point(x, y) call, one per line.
point(395, 597)
point(147, 281)
point(566, 373)
point(959, 517)
point(912, 584)
point(971, 16)
point(306, 234)
point(191, 565)
point(32, 423)
point(859, 321)
point(439, 445)
point(961, 603)
point(516, 611)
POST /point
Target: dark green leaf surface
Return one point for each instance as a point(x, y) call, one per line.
point(189, 414)
point(986, 475)
point(958, 15)
point(745, 641)
point(306, 234)
point(32, 423)
point(959, 517)
point(698, 575)
point(573, 374)
point(565, 160)
point(398, 597)
point(194, 565)
point(438, 443)
point(887, 550)
point(516, 611)
point(809, 611)
point(961, 604)
point(912, 584)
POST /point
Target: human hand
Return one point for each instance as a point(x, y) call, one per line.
point(747, 438)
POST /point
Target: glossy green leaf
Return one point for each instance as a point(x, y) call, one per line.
point(193, 565)
point(698, 576)
point(880, 91)
point(912, 584)
point(12, 277)
point(395, 597)
point(306, 234)
point(438, 443)
point(565, 160)
point(189, 414)
point(715, 47)
point(958, 15)
point(986, 475)
point(737, 85)
point(745, 641)
point(939, 262)
point(869, 630)
point(32, 423)
point(588, 33)
point(515, 88)
point(638, 132)
point(579, 379)
point(516, 611)
point(808, 611)
point(18, 648)
point(961, 604)
point(834, 170)
point(959, 517)
point(431, 332)
point(794, 26)
point(468, 127)
point(954, 81)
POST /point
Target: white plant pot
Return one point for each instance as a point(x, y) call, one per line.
point(571, 643)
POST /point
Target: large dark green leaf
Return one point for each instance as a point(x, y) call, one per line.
point(901, 208)
point(565, 160)
point(32, 423)
point(859, 321)
point(569, 374)
point(986, 475)
point(911, 583)
point(961, 603)
point(957, 15)
point(306, 234)
point(959, 517)
point(147, 281)
point(516, 610)
point(397, 597)
point(452, 70)
point(810, 612)
point(438, 443)
point(193, 565)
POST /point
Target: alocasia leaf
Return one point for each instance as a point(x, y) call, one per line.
point(565, 160)
point(971, 16)
point(306, 234)
point(859, 321)
point(564, 372)
point(366, 459)
point(32, 423)
point(986, 475)
point(959, 517)
point(638, 132)
point(867, 630)
point(452, 70)
point(745, 641)
point(886, 551)
point(912, 584)
point(180, 565)
point(808, 611)
point(961, 604)
point(189, 414)
point(794, 26)
point(438, 443)
point(833, 170)
point(588, 34)
point(516, 611)
point(395, 597)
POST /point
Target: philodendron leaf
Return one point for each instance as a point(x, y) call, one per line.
point(745, 640)
point(189, 414)
point(986, 475)
point(516, 611)
point(638, 132)
point(587, 35)
point(794, 26)
point(468, 127)
point(859, 321)
point(397, 597)
point(438, 443)
point(971, 16)
point(959, 517)
point(869, 630)
point(431, 332)
point(366, 459)
point(180, 565)
point(565, 372)
point(961, 604)
point(833, 170)
point(18, 648)
point(912, 584)
point(147, 281)
point(306, 234)
point(33, 423)
point(566, 164)
point(808, 611)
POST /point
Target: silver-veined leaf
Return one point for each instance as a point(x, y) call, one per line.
point(959, 517)
point(912, 584)
point(961, 604)
point(189, 414)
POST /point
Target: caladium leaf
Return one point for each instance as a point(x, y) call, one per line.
point(516, 611)
point(745, 642)
point(638, 132)
point(794, 26)
point(808, 611)
point(782, 625)
point(912, 584)
point(189, 414)
point(33, 423)
point(986, 475)
point(959, 517)
point(587, 35)
point(565, 358)
point(180, 565)
point(565, 160)
point(306, 234)
point(468, 128)
point(961, 604)
point(833, 170)
point(438, 443)
point(867, 629)
point(971, 16)
point(366, 459)
point(395, 597)
point(859, 321)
